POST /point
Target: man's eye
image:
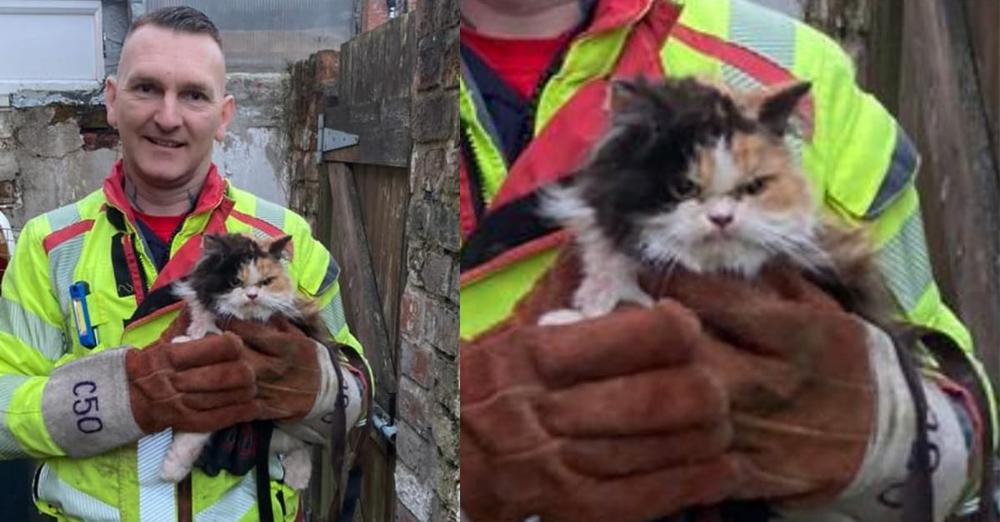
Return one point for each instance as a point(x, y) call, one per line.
point(197, 96)
point(144, 88)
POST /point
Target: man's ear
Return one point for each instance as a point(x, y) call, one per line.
point(110, 95)
point(228, 110)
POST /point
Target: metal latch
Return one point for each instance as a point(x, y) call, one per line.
point(332, 139)
point(384, 424)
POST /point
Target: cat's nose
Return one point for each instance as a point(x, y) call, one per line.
point(251, 295)
point(721, 220)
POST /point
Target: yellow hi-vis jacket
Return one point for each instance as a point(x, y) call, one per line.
point(861, 163)
point(95, 240)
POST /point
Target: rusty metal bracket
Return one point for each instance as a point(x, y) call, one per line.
point(332, 139)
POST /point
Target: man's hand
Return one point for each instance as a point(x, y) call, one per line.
point(796, 367)
point(201, 385)
point(286, 364)
point(606, 419)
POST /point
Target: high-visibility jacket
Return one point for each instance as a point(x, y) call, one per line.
point(95, 240)
point(860, 161)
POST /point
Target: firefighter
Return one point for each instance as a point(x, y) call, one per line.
point(90, 382)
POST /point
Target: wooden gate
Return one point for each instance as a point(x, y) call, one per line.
point(363, 214)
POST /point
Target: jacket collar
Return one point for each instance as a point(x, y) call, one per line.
point(211, 195)
point(611, 14)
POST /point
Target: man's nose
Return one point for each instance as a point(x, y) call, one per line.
point(168, 117)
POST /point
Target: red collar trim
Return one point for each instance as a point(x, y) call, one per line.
point(611, 14)
point(211, 195)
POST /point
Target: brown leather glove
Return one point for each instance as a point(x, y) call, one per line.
point(606, 419)
point(286, 364)
point(197, 386)
point(797, 369)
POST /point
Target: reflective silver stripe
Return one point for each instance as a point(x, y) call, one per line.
point(31, 329)
point(273, 214)
point(771, 35)
point(332, 271)
point(62, 263)
point(764, 31)
point(902, 169)
point(9, 447)
point(73, 502)
point(333, 315)
point(63, 217)
point(156, 496)
point(905, 264)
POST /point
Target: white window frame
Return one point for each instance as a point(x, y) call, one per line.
point(60, 7)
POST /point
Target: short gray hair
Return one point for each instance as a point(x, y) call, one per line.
point(179, 18)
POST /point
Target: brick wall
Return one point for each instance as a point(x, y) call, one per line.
point(427, 415)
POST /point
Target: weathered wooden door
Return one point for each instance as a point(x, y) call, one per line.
point(367, 125)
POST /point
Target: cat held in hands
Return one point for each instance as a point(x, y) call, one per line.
point(694, 175)
point(241, 277)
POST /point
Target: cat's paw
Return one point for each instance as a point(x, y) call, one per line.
point(560, 317)
point(298, 469)
point(637, 296)
point(180, 339)
point(174, 470)
point(601, 298)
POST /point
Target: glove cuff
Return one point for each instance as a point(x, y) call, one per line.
point(86, 405)
point(315, 427)
point(876, 491)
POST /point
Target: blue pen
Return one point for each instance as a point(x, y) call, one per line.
point(81, 315)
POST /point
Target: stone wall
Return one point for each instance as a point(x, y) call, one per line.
point(427, 413)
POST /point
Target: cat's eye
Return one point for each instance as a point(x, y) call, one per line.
point(266, 281)
point(685, 189)
point(235, 281)
point(754, 186)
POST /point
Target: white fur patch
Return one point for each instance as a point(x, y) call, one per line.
point(726, 174)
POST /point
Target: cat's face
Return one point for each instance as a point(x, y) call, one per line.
point(242, 277)
point(704, 178)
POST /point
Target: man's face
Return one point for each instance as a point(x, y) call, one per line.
point(168, 103)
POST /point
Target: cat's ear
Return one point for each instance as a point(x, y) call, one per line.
point(778, 105)
point(212, 243)
point(621, 93)
point(277, 247)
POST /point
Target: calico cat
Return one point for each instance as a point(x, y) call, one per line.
point(241, 277)
point(691, 174)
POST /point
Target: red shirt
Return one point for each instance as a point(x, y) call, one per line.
point(162, 226)
point(520, 63)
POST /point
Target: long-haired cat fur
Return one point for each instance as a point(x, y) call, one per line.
point(694, 175)
point(243, 278)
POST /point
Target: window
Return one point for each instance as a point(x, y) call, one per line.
point(50, 45)
point(265, 35)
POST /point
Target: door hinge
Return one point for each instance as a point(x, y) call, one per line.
point(332, 139)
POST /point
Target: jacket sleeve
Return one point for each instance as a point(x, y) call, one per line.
point(52, 404)
point(31, 341)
